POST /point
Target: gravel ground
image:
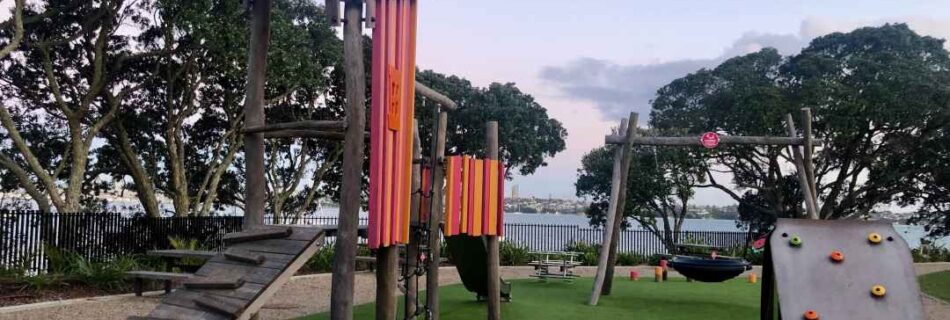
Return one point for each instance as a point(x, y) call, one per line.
point(311, 294)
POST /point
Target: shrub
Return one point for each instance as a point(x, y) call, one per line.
point(109, 274)
point(631, 259)
point(43, 281)
point(513, 254)
point(930, 252)
point(187, 244)
point(322, 261)
point(588, 252)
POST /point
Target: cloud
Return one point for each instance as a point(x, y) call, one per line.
point(617, 89)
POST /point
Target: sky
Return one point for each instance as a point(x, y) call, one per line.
point(592, 62)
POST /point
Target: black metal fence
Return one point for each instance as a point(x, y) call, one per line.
point(545, 237)
point(25, 234)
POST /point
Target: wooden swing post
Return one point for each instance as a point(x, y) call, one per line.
point(494, 286)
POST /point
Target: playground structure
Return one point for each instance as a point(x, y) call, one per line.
point(256, 262)
point(705, 269)
point(406, 206)
point(813, 269)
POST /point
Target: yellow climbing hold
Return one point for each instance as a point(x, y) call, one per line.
point(878, 291)
point(874, 237)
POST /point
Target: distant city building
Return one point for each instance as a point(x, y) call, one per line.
point(514, 192)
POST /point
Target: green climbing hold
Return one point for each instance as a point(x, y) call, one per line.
point(795, 241)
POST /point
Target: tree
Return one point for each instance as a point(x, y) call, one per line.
point(877, 94)
point(659, 187)
point(68, 83)
point(526, 135)
point(187, 141)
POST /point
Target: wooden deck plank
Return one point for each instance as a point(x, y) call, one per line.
point(156, 275)
point(190, 300)
point(248, 291)
point(271, 260)
point(282, 246)
point(257, 234)
point(177, 253)
point(220, 305)
point(253, 274)
point(241, 255)
point(217, 282)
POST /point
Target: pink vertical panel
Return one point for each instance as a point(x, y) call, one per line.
point(377, 131)
point(456, 195)
point(486, 196)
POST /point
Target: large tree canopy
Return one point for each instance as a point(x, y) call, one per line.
point(526, 135)
point(156, 106)
point(880, 100)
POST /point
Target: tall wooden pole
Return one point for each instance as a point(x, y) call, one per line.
point(622, 199)
point(611, 217)
point(809, 154)
point(387, 258)
point(344, 259)
point(810, 205)
point(254, 114)
point(494, 279)
point(412, 248)
point(435, 213)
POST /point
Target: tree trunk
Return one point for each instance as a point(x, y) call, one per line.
point(144, 187)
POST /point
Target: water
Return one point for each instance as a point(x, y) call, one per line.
point(911, 233)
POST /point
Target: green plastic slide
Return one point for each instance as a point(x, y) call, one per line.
point(470, 257)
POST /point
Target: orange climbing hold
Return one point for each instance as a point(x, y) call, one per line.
point(811, 315)
point(837, 256)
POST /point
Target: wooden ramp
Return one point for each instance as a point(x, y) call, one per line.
point(235, 283)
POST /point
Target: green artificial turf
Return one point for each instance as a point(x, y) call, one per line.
point(936, 284)
point(642, 300)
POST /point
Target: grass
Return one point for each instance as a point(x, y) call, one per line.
point(645, 300)
point(936, 284)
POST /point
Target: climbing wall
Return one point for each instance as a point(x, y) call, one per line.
point(842, 270)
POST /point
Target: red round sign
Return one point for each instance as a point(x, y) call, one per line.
point(710, 140)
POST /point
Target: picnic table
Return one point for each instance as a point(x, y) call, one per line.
point(555, 265)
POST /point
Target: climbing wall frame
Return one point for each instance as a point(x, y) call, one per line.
point(839, 270)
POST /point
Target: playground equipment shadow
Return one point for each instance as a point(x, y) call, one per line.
point(644, 299)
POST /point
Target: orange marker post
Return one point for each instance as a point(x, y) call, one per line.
point(658, 274)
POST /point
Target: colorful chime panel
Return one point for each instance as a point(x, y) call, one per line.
point(393, 94)
point(474, 196)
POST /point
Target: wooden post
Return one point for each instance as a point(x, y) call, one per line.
point(435, 214)
point(802, 176)
point(611, 216)
point(622, 199)
point(494, 279)
point(387, 258)
point(809, 154)
point(254, 114)
point(344, 259)
point(412, 248)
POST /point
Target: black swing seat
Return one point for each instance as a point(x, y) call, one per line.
point(708, 269)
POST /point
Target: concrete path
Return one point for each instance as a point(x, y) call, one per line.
point(310, 294)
